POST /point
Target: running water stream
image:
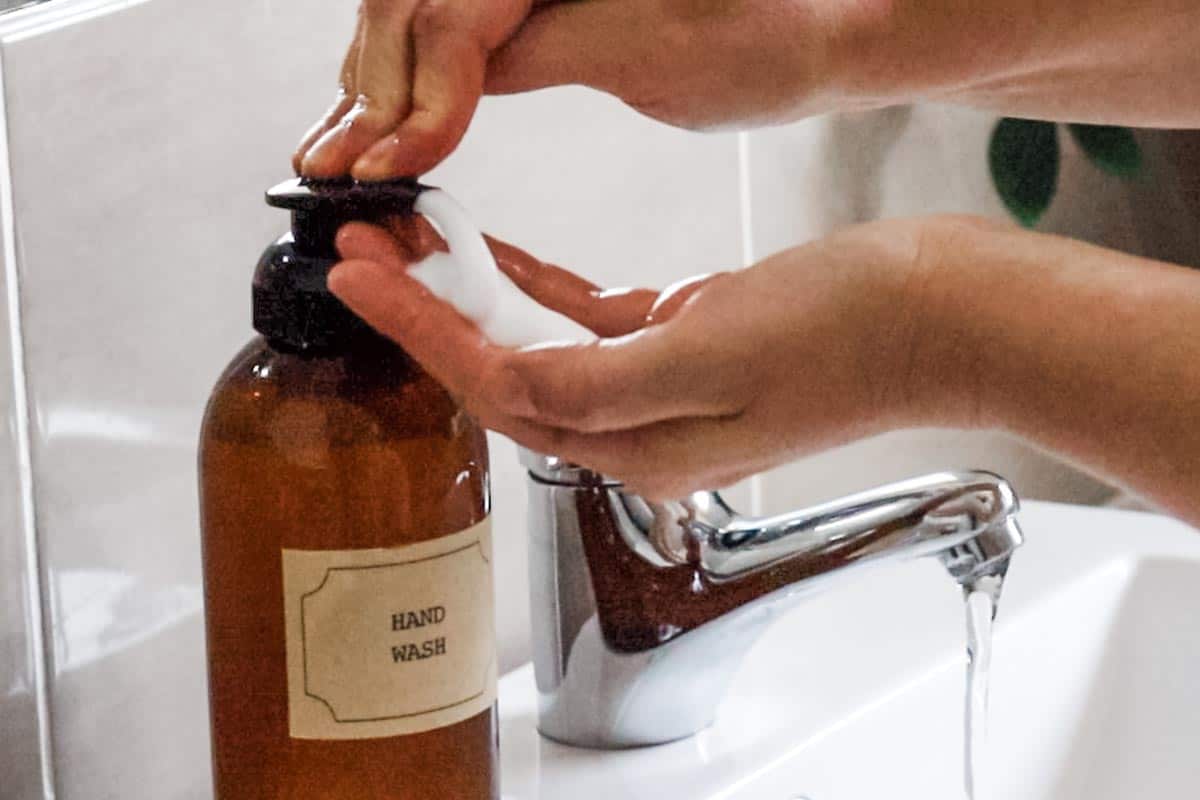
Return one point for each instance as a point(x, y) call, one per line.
point(982, 596)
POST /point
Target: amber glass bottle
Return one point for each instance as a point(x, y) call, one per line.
point(347, 569)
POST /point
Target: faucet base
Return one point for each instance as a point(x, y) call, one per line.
point(642, 611)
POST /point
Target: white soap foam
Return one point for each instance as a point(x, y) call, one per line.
point(468, 279)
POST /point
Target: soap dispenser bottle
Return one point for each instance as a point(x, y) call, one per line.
point(347, 551)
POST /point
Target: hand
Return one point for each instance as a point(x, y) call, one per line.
point(696, 387)
point(939, 322)
point(416, 69)
point(409, 84)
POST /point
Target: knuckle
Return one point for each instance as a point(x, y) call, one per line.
point(584, 418)
point(543, 439)
point(544, 397)
point(369, 116)
point(493, 383)
point(435, 17)
point(480, 411)
point(565, 395)
point(946, 232)
point(558, 439)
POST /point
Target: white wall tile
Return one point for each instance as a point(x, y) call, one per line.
point(142, 140)
point(578, 179)
point(905, 454)
point(812, 177)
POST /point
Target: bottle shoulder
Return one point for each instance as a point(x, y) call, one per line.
point(360, 394)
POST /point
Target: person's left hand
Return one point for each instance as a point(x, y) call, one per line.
point(416, 69)
point(694, 388)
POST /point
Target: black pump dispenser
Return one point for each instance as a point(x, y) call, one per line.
point(292, 305)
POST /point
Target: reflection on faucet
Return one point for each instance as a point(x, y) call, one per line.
point(643, 610)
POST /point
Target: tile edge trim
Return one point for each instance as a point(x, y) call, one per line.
point(38, 622)
point(36, 20)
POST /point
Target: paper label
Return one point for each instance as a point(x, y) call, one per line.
point(390, 641)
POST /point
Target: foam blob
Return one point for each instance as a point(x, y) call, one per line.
point(468, 279)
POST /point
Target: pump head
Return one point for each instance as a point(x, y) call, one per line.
point(293, 307)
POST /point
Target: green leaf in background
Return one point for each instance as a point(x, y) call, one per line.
point(1113, 150)
point(1024, 158)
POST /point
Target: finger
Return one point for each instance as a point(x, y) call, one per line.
point(332, 118)
point(597, 44)
point(406, 240)
point(411, 238)
point(383, 82)
point(449, 346)
point(663, 461)
point(676, 296)
point(418, 233)
point(347, 92)
point(607, 313)
point(362, 241)
point(451, 42)
point(653, 375)
point(608, 385)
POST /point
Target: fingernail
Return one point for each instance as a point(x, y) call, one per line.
point(323, 157)
point(354, 280)
point(315, 160)
point(340, 278)
point(376, 163)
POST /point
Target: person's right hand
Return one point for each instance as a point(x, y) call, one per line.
point(941, 321)
point(417, 68)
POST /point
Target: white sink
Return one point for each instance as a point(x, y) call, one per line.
point(859, 692)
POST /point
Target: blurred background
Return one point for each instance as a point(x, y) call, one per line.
point(138, 137)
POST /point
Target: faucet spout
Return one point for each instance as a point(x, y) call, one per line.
point(642, 610)
point(936, 514)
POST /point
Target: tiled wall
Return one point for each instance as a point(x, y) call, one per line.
point(140, 140)
point(140, 137)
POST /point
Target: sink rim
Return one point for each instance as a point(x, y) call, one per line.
point(1066, 545)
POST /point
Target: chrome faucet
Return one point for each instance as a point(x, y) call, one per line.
point(642, 610)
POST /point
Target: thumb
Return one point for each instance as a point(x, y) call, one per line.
point(589, 42)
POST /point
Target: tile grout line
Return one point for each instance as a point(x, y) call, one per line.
point(24, 446)
point(745, 198)
point(746, 209)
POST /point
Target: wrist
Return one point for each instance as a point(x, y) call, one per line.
point(882, 49)
point(947, 377)
point(1081, 350)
